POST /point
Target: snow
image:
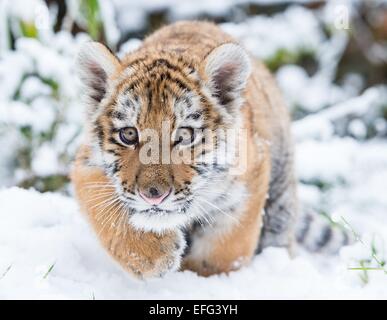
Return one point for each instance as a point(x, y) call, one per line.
point(292, 30)
point(108, 18)
point(311, 93)
point(45, 230)
point(129, 46)
point(322, 126)
point(23, 11)
point(45, 161)
point(47, 249)
point(132, 15)
point(34, 87)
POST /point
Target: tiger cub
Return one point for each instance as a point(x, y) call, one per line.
point(153, 176)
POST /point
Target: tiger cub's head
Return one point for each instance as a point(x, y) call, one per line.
point(156, 125)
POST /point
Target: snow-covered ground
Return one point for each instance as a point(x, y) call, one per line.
point(49, 252)
point(47, 249)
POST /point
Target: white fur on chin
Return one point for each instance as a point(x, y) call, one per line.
point(158, 222)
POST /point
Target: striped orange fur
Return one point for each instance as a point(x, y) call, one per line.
point(159, 217)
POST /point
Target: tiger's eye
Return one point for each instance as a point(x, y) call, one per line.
point(129, 135)
point(184, 136)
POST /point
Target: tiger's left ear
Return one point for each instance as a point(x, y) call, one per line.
point(228, 68)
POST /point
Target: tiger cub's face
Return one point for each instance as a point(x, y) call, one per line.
point(158, 128)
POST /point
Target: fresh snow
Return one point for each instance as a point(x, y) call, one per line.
point(47, 249)
point(39, 232)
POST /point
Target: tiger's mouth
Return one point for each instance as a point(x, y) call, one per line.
point(155, 209)
point(172, 205)
point(181, 209)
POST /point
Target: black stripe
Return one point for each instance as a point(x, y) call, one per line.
point(133, 84)
point(325, 236)
point(198, 170)
point(302, 234)
point(115, 167)
point(150, 96)
point(116, 115)
point(163, 62)
point(181, 84)
point(111, 151)
point(165, 76)
point(135, 62)
point(127, 103)
point(98, 129)
point(196, 115)
point(114, 141)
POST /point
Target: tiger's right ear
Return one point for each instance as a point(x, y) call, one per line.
point(95, 65)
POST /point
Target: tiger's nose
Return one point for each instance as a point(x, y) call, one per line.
point(154, 195)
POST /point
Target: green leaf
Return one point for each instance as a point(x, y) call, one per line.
point(49, 270)
point(91, 11)
point(28, 29)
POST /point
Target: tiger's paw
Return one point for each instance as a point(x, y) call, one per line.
point(159, 256)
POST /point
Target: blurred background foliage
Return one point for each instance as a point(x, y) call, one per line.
point(329, 58)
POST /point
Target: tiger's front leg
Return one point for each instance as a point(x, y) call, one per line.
point(231, 240)
point(144, 254)
point(228, 244)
